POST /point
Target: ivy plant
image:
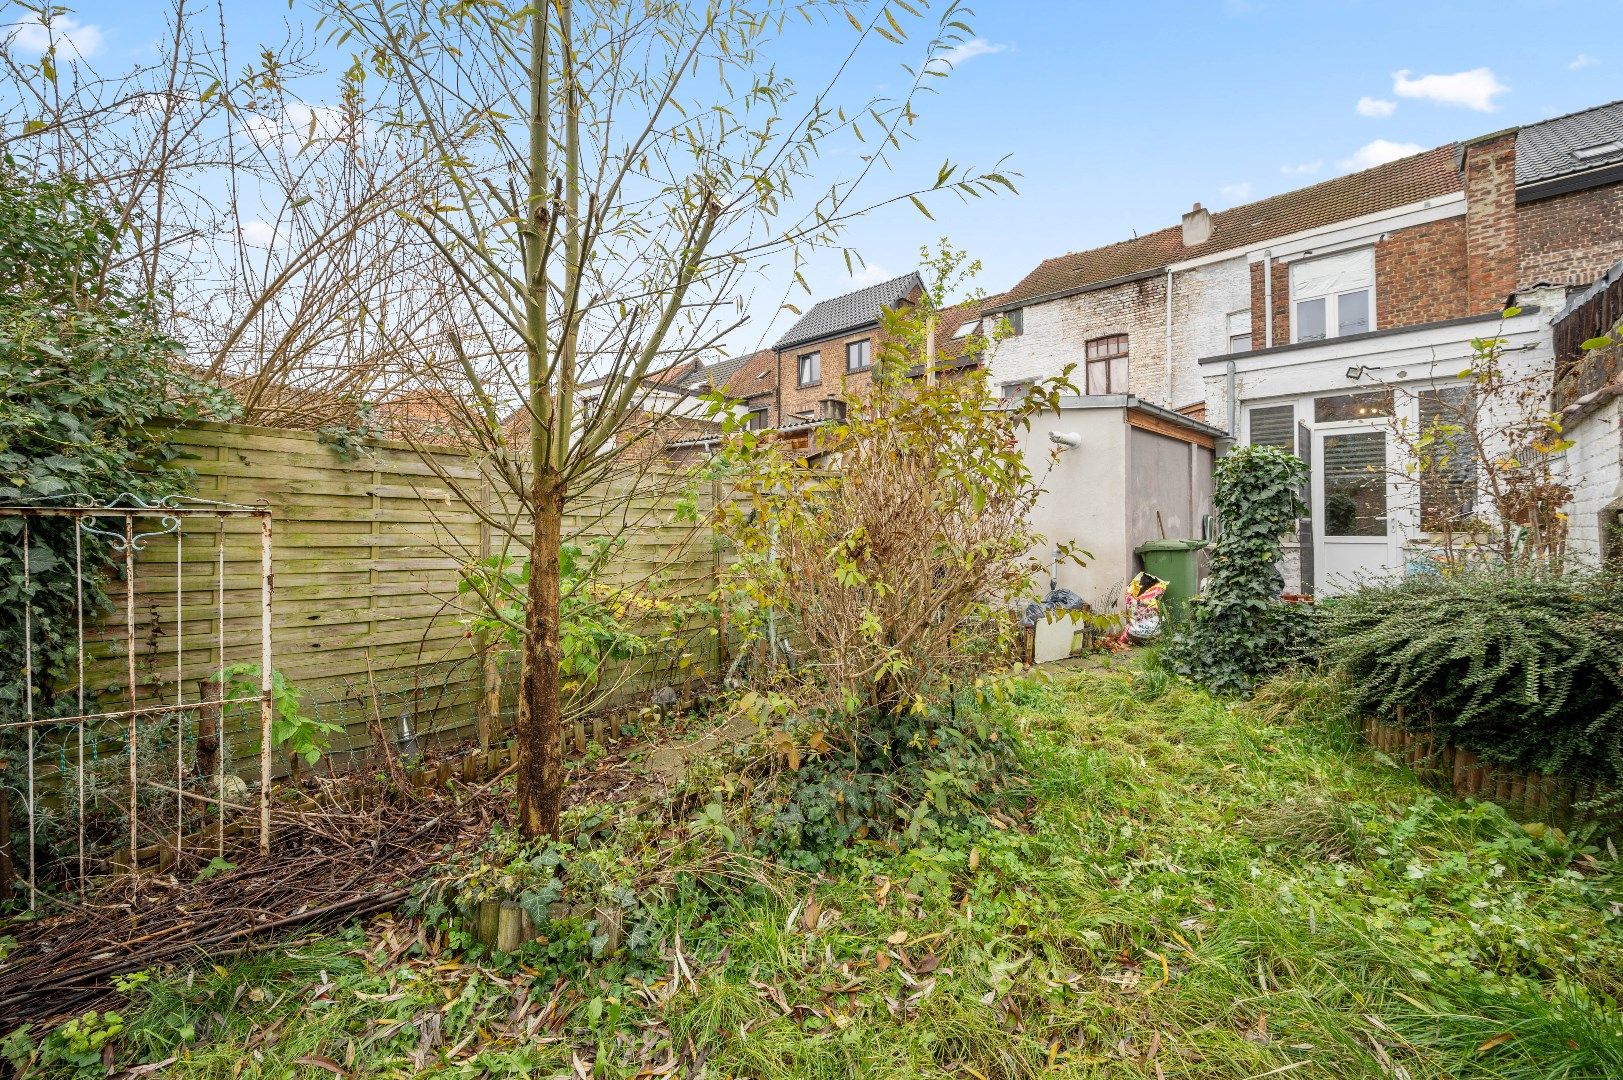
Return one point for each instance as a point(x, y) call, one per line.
point(88, 381)
point(1240, 629)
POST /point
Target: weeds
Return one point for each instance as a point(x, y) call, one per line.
point(1167, 886)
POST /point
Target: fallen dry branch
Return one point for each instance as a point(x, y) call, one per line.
point(331, 866)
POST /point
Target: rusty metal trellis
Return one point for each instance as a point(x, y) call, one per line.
point(110, 536)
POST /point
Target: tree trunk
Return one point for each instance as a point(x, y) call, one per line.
point(540, 763)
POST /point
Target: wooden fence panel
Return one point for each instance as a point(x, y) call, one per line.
point(367, 553)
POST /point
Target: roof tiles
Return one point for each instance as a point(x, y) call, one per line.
point(1398, 183)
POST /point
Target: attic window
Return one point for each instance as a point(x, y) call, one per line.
point(966, 329)
point(1586, 153)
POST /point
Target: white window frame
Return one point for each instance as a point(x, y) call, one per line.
point(1288, 403)
point(1332, 300)
point(1233, 333)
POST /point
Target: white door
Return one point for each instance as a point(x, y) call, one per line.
point(1352, 500)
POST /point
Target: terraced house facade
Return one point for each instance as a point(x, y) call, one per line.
point(1307, 319)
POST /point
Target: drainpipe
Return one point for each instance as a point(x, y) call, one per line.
point(1234, 406)
point(1171, 404)
point(1268, 299)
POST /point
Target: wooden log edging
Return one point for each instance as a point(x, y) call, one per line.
point(1534, 796)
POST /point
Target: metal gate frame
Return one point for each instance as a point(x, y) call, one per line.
point(161, 517)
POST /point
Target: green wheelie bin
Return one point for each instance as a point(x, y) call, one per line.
point(1177, 563)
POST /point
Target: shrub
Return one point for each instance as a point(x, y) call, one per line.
point(893, 564)
point(1520, 665)
point(1240, 631)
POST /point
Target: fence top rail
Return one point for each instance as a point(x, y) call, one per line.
point(169, 506)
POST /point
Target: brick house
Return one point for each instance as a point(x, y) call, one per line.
point(802, 382)
point(1368, 323)
point(1275, 320)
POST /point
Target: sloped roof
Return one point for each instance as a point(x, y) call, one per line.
point(717, 374)
point(1397, 183)
point(849, 312)
point(1575, 143)
point(752, 375)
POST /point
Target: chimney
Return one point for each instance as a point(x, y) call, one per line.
point(1488, 167)
point(1197, 226)
point(832, 409)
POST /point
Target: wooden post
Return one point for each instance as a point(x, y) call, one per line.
point(490, 701)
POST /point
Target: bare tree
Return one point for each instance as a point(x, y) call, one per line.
point(1488, 437)
point(266, 228)
point(612, 170)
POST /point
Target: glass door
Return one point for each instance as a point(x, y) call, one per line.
point(1351, 507)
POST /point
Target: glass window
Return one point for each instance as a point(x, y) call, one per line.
point(1107, 365)
point(1016, 320)
point(811, 368)
point(1310, 320)
point(1355, 484)
point(967, 327)
point(1448, 480)
point(1239, 329)
point(858, 355)
point(1352, 313)
point(1364, 405)
point(757, 421)
point(1333, 295)
point(1012, 390)
point(1274, 425)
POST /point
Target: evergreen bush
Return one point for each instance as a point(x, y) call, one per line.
point(1522, 665)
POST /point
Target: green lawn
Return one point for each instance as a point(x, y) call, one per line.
point(1176, 887)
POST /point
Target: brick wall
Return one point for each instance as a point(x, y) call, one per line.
point(1259, 303)
point(1057, 332)
point(835, 381)
point(1202, 299)
point(1570, 239)
point(1420, 275)
point(1490, 223)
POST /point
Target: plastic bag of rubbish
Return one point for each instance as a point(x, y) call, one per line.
point(1144, 595)
point(1056, 600)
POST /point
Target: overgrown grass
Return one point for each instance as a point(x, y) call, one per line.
point(1175, 886)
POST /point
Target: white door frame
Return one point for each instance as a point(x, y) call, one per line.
point(1388, 548)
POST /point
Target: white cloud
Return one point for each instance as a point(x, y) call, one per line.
point(1581, 61)
point(871, 274)
point(33, 37)
point(1236, 192)
point(257, 234)
point(968, 51)
point(1368, 106)
point(1306, 168)
point(1474, 89)
point(1380, 152)
point(298, 125)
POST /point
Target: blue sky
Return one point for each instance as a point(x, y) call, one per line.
point(1119, 116)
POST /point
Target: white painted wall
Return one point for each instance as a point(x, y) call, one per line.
point(1202, 299)
point(1084, 498)
point(1413, 360)
point(1594, 467)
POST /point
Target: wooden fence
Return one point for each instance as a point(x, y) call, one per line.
point(1558, 800)
point(367, 554)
